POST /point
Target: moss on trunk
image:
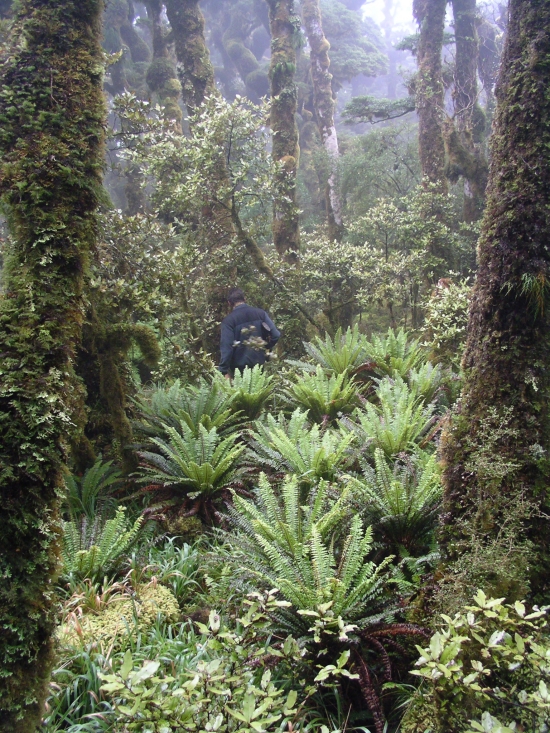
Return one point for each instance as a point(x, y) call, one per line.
point(284, 25)
point(323, 103)
point(495, 449)
point(196, 73)
point(464, 143)
point(430, 15)
point(52, 116)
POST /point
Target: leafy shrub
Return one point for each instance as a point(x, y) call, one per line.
point(446, 320)
point(249, 391)
point(191, 469)
point(87, 494)
point(292, 446)
point(401, 502)
point(203, 404)
point(227, 689)
point(487, 664)
point(324, 397)
point(93, 549)
point(394, 425)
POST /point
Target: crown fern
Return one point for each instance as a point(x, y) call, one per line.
point(325, 396)
point(249, 391)
point(343, 353)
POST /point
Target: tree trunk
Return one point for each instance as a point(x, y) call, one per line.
point(464, 149)
point(283, 126)
point(495, 449)
point(324, 110)
point(430, 15)
point(196, 73)
point(53, 117)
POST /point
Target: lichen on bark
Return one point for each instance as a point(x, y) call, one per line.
point(495, 450)
point(52, 116)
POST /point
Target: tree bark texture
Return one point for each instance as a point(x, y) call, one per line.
point(52, 143)
point(430, 15)
point(161, 74)
point(283, 24)
point(464, 144)
point(323, 103)
point(234, 37)
point(196, 73)
point(495, 450)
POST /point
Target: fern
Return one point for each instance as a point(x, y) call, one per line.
point(393, 354)
point(401, 502)
point(295, 552)
point(249, 391)
point(324, 397)
point(294, 447)
point(94, 549)
point(85, 495)
point(193, 405)
point(397, 423)
point(343, 353)
point(196, 465)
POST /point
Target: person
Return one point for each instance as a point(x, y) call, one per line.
point(247, 335)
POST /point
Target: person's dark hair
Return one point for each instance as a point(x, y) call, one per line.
point(236, 296)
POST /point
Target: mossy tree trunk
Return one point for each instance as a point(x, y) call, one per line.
point(465, 140)
point(323, 103)
point(53, 113)
point(429, 91)
point(283, 24)
point(495, 449)
point(196, 73)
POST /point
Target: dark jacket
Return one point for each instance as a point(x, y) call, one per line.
point(245, 332)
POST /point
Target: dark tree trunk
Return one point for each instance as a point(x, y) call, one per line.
point(430, 15)
point(283, 126)
point(495, 449)
point(53, 116)
point(324, 110)
point(464, 143)
point(196, 73)
point(161, 74)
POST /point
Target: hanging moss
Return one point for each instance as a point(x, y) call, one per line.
point(52, 117)
point(495, 449)
point(159, 73)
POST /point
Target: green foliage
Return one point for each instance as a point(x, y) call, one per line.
point(87, 494)
point(295, 447)
point(394, 354)
point(444, 329)
point(192, 467)
point(226, 689)
point(400, 501)
point(369, 108)
point(93, 548)
point(489, 662)
point(176, 567)
point(204, 403)
point(324, 396)
point(249, 391)
point(289, 546)
point(342, 353)
point(395, 425)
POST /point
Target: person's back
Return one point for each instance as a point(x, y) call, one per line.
point(247, 334)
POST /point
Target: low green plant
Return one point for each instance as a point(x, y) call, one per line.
point(94, 549)
point(191, 471)
point(87, 494)
point(175, 566)
point(396, 423)
point(489, 663)
point(393, 354)
point(427, 381)
point(400, 501)
point(249, 391)
point(293, 446)
point(341, 353)
point(227, 689)
point(205, 403)
point(324, 396)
